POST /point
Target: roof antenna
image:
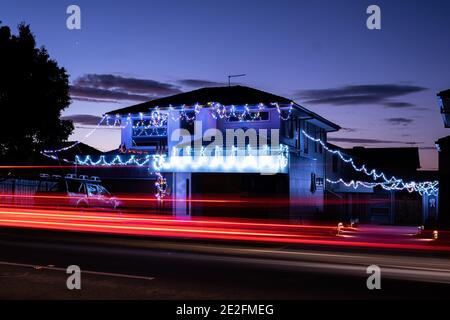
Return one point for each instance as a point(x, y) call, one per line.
point(234, 76)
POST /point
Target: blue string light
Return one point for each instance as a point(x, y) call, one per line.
point(393, 183)
point(116, 161)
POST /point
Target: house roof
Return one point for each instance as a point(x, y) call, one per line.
point(230, 95)
point(237, 95)
point(445, 141)
point(444, 94)
point(78, 149)
point(391, 160)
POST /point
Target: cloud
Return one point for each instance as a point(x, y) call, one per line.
point(361, 94)
point(83, 119)
point(400, 121)
point(113, 88)
point(369, 141)
point(349, 129)
point(198, 83)
point(102, 95)
point(398, 104)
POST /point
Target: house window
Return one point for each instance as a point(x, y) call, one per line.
point(305, 140)
point(319, 182)
point(146, 128)
point(291, 127)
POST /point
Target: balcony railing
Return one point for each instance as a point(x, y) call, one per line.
point(234, 160)
point(217, 159)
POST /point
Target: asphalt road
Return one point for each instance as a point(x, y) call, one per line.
point(33, 266)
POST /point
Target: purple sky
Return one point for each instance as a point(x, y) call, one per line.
point(379, 85)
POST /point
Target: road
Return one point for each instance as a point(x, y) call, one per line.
point(33, 262)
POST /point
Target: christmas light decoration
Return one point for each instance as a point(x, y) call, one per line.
point(158, 118)
point(265, 160)
point(161, 187)
point(77, 142)
point(392, 183)
point(117, 160)
point(428, 188)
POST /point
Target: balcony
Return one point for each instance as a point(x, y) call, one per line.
point(264, 160)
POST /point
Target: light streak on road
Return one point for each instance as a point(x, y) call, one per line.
point(206, 228)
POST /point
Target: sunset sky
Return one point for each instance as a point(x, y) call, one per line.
point(379, 85)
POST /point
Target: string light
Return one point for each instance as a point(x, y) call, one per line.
point(393, 183)
point(161, 187)
point(54, 157)
point(77, 142)
point(268, 160)
point(428, 188)
point(116, 161)
point(235, 160)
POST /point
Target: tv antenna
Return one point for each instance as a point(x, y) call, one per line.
point(234, 76)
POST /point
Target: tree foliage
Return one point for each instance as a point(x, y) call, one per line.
point(34, 91)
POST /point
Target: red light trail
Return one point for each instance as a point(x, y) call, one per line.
point(204, 228)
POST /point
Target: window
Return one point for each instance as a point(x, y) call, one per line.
point(149, 142)
point(92, 190)
point(149, 132)
point(102, 191)
point(147, 128)
point(50, 186)
point(74, 186)
point(305, 140)
point(291, 128)
point(319, 182)
point(97, 190)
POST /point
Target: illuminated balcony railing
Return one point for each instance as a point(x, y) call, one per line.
point(234, 160)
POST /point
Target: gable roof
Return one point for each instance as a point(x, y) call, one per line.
point(230, 95)
point(391, 160)
point(444, 94)
point(445, 141)
point(237, 95)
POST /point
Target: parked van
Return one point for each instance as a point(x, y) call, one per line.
point(57, 191)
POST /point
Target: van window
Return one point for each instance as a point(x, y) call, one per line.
point(51, 186)
point(97, 190)
point(74, 186)
point(91, 189)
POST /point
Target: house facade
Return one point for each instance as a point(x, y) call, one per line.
point(443, 146)
point(236, 143)
point(378, 204)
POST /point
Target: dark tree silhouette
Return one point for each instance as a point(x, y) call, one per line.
point(33, 92)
